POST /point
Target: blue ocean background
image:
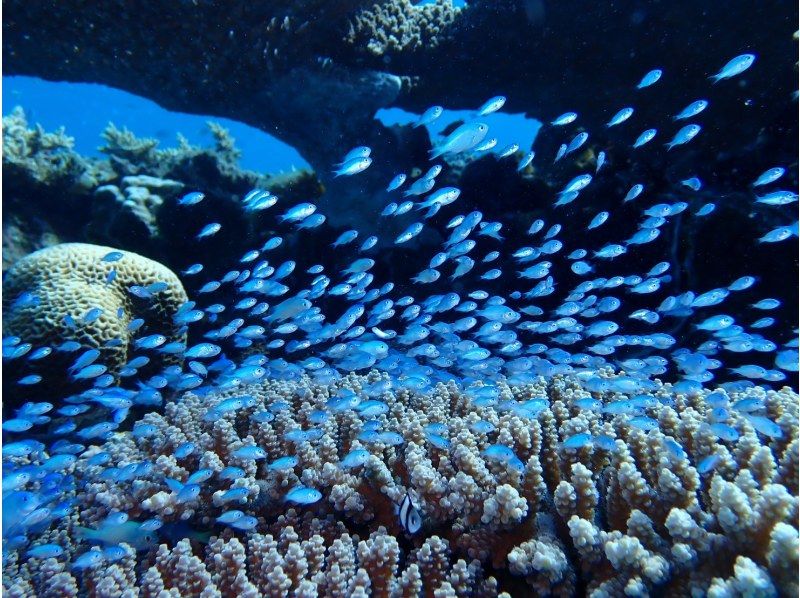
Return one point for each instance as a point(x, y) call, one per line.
point(84, 110)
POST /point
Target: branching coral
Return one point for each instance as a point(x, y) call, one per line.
point(633, 518)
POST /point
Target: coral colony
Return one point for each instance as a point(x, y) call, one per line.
point(450, 398)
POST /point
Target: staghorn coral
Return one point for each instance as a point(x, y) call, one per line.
point(636, 519)
point(69, 279)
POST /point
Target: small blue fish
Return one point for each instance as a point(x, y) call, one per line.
point(150, 342)
point(234, 494)
point(645, 137)
point(412, 231)
point(89, 559)
point(232, 473)
point(693, 183)
point(765, 426)
point(499, 452)
point(577, 142)
point(112, 256)
point(601, 159)
point(578, 441)
point(735, 66)
point(90, 371)
point(430, 115)
point(45, 551)
point(230, 517)
point(345, 238)
point(776, 235)
point(68, 346)
point(708, 463)
point(509, 150)
point(724, 431)
point(246, 523)
point(464, 138)
point(769, 176)
point(250, 453)
point(299, 212)
point(185, 449)
point(643, 423)
point(564, 119)
point(114, 553)
point(492, 105)
point(193, 269)
point(650, 78)
point(17, 425)
point(685, 135)
point(362, 151)
point(140, 292)
point(191, 199)
point(209, 230)
point(620, 117)
point(284, 463)
point(354, 166)
point(598, 220)
point(634, 192)
point(691, 110)
point(355, 458)
point(778, 198)
point(303, 495)
point(396, 182)
point(525, 161)
point(706, 209)
point(766, 304)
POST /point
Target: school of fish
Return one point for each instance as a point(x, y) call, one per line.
point(292, 318)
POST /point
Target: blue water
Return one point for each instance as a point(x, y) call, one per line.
point(85, 109)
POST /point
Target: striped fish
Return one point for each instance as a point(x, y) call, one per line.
point(410, 518)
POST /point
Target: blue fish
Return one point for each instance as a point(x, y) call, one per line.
point(620, 117)
point(209, 230)
point(430, 115)
point(564, 119)
point(650, 78)
point(735, 66)
point(302, 495)
point(112, 256)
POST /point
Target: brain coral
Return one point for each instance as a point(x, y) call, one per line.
point(69, 280)
point(636, 516)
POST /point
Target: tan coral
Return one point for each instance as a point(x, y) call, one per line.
point(70, 279)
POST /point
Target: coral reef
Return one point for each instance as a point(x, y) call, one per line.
point(47, 294)
point(637, 515)
point(401, 27)
point(129, 200)
point(238, 57)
